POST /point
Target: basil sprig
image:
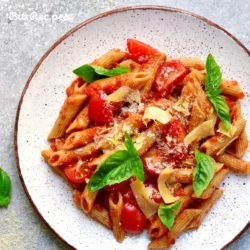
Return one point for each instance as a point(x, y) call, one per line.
point(5, 189)
point(118, 167)
point(166, 213)
point(203, 172)
point(91, 73)
point(213, 80)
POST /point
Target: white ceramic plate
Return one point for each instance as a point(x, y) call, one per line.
point(178, 34)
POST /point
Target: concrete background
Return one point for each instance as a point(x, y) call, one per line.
point(22, 44)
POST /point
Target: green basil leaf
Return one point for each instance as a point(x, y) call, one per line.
point(112, 72)
point(91, 73)
point(213, 80)
point(5, 188)
point(166, 213)
point(214, 76)
point(138, 168)
point(118, 167)
point(222, 110)
point(203, 172)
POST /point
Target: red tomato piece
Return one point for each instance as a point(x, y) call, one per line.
point(78, 173)
point(169, 77)
point(132, 219)
point(155, 164)
point(100, 110)
point(115, 187)
point(128, 196)
point(139, 51)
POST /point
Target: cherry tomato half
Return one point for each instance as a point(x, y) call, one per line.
point(140, 51)
point(128, 196)
point(78, 173)
point(169, 76)
point(100, 110)
point(132, 219)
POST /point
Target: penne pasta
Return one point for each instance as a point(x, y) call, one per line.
point(201, 76)
point(115, 209)
point(132, 65)
point(151, 69)
point(241, 143)
point(77, 87)
point(100, 214)
point(190, 62)
point(68, 112)
point(110, 58)
point(231, 88)
point(81, 121)
point(217, 144)
point(204, 206)
point(46, 154)
point(182, 220)
point(81, 138)
point(87, 200)
point(234, 164)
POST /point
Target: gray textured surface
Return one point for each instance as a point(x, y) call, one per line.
point(22, 43)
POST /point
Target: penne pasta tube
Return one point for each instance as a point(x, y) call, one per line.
point(204, 206)
point(201, 76)
point(115, 209)
point(46, 154)
point(81, 138)
point(214, 183)
point(232, 89)
point(241, 143)
point(87, 200)
point(181, 221)
point(100, 214)
point(81, 121)
point(151, 69)
point(156, 229)
point(234, 164)
point(217, 144)
point(190, 62)
point(68, 112)
point(76, 87)
point(110, 58)
point(202, 98)
point(132, 65)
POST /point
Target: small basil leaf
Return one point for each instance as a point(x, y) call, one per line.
point(91, 73)
point(112, 72)
point(213, 80)
point(222, 110)
point(203, 172)
point(166, 213)
point(138, 168)
point(87, 73)
point(214, 76)
point(5, 188)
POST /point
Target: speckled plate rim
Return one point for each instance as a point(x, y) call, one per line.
point(111, 12)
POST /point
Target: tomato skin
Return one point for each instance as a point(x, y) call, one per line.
point(128, 196)
point(132, 219)
point(169, 76)
point(100, 110)
point(115, 187)
point(156, 197)
point(139, 51)
point(80, 176)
